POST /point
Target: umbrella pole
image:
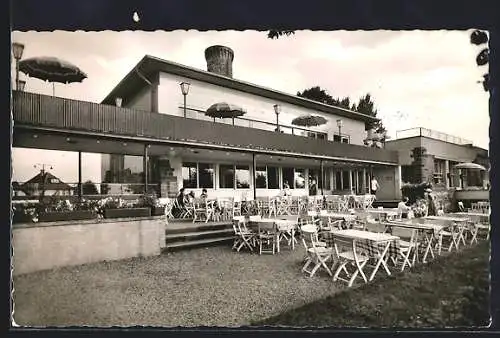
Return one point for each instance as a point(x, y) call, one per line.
point(233, 120)
point(53, 89)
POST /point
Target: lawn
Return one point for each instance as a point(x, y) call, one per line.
point(451, 291)
point(219, 287)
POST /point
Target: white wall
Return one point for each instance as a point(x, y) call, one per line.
point(202, 95)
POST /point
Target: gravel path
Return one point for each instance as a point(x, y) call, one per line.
point(199, 287)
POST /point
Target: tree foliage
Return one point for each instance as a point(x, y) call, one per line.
point(365, 104)
point(479, 38)
point(275, 34)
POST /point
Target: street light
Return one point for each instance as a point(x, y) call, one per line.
point(340, 125)
point(277, 110)
point(17, 51)
point(185, 91)
point(118, 102)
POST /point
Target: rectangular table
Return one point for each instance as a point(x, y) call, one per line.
point(449, 218)
point(379, 244)
point(282, 226)
point(429, 231)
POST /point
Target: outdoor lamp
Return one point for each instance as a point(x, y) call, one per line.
point(21, 84)
point(185, 91)
point(277, 110)
point(340, 125)
point(17, 51)
point(118, 101)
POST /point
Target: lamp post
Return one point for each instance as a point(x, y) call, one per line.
point(339, 125)
point(185, 91)
point(17, 51)
point(44, 177)
point(118, 102)
point(277, 111)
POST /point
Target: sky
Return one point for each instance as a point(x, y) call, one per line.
point(416, 78)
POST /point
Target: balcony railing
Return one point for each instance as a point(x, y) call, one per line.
point(418, 132)
point(263, 125)
point(40, 111)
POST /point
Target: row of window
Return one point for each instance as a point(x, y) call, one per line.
point(202, 175)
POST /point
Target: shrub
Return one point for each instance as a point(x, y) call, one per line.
point(415, 191)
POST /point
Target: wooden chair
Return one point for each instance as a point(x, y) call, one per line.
point(316, 255)
point(349, 255)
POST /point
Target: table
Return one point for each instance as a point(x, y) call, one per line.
point(449, 218)
point(429, 230)
point(283, 226)
point(375, 244)
point(475, 215)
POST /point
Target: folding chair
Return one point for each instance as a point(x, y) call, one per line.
point(244, 238)
point(236, 206)
point(408, 244)
point(317, 255)
point(349, 254)
point(267, 237)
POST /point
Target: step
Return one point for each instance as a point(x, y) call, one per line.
point(188, 236)
point(200, 242)
point(196, 227)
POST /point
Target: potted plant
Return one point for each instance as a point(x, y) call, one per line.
point(24, 213)
point(65, 210)
point(113, 207)
point(153, 203)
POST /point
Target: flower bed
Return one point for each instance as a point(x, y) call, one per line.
point(56, 216)
point(127, 212)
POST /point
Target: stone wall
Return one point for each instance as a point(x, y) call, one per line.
point(43, 246)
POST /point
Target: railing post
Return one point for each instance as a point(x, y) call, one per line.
point(253, 177)
point(80, 192)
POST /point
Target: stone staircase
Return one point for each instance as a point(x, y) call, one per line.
point(184, 234)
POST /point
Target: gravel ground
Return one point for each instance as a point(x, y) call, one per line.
point(199, 287)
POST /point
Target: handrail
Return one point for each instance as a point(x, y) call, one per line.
point(434, 134)
point(293, 128)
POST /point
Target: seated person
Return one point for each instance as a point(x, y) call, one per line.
point(180, 206)
point(403, 207)
point(204, 194)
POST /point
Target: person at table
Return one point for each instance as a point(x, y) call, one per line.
point(180, 205)
point(313, 189)
point(286, 189)
point(431, 203)
point(204, 194)
point(374, 186)
point(403, 207)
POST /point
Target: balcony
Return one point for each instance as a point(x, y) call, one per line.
point(35, 111)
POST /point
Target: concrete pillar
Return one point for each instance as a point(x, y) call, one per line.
point(447, 173)
point(364, 180)
point(350, 180)
point(397, 182)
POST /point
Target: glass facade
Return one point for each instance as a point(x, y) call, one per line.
point(242, 177)
point(261, 177)
point(273, 178)
point(226, 176)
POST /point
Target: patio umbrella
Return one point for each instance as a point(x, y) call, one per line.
point(309, 120)
point(225, 110)
point(469, 165)
point(51, 69)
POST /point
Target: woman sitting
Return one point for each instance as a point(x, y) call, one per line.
point(403, 208)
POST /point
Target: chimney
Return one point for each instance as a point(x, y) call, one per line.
point(220, 60)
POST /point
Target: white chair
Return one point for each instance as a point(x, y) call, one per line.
point(316, 255)
point(348, 254)
point(408, 245)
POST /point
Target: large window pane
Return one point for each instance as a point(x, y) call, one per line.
point(338, 180)
point(288, 177)
point(260, 177)
point(242, 177)
point(326, 177)
point(226, 176)
point(206, 175)
point(345, 180)
point(189, 175)
point(273, 179)
point(300, 178)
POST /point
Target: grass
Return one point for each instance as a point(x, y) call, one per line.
point(451, 291)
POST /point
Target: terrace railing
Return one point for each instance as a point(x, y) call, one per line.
point(419, 132)
point(35, 111)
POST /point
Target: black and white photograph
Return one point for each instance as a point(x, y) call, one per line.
point(250, 178)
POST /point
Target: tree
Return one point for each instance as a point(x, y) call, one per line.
point(89, 188)
point(318, 94)
point(366, 106)
point(479, 38)
point(275, 34)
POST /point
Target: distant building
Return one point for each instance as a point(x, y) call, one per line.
point(430, 156)
point(50, 184)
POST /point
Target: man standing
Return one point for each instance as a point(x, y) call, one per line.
point(374, 186)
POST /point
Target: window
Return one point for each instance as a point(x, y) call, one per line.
point(338, 180)
point(242, 177)
point(439, 171)
point(206, 175)
point(260, 178)
point(345, 180)
point(300, 178)
point(226, 176)
point(338, 138)
point(288, 176)
point(273, 178)
point(326, 177)
point(189, 175)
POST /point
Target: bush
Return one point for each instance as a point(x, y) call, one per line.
point(415, 192)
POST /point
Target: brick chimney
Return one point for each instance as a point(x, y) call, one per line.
point(220, 60)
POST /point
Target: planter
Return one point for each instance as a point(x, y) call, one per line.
point(127, 212)
point(66, 216)
point(21, 217)
point(157, 211)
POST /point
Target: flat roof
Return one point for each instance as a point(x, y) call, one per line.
point(150, 66)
